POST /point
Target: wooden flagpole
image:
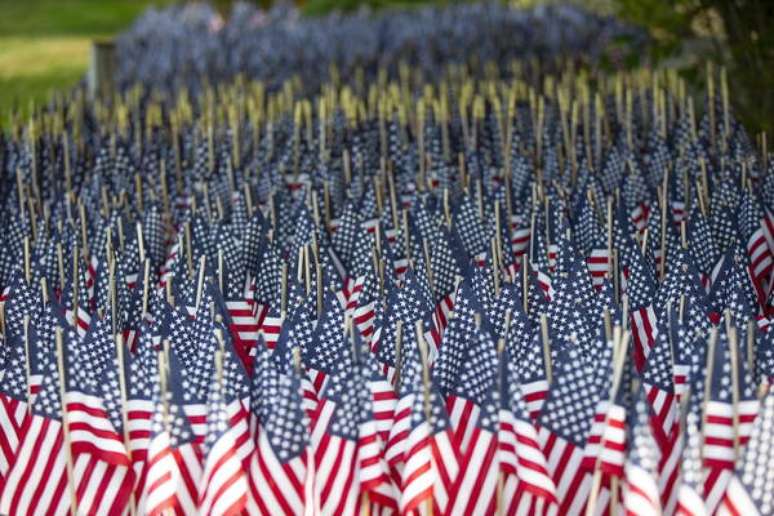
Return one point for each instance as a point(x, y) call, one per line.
point(546, 347)
point(398, 355)
point(619, 352)
point(419, 333)
point(119, 341)
point(65, 423)
point(200, 283)
point(27, 361)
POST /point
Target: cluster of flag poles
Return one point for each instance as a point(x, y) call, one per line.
point(496, 290)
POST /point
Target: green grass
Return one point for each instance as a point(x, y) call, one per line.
point(69, 17)
point(45, 44)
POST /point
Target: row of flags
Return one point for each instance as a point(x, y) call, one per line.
point(484, 311)
point(188, 45)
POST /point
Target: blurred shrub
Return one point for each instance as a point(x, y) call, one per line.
point(733, 33)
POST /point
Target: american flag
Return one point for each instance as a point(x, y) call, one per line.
point(564, 423)
point(750, 220)
point(527, 350)
point(520, 455)
point(185, 423)
point(224, 486)
point(91, 429)
point(658, 385)
point(21, 300)
point(598, 263)
point(475, 490)
point(640, 487)
point(281, 467)
point(270, 276)
point(374, 435)
point(297, 333)
point(343, 239)
point(606, 418)
point(469, 227)
point(324, 409)
point(749, 490)
point(613, 439)
point(406, 304)
point(431, 457)
point(61, 477)
point(700, 240)
point(728, 417)
point(400, 427)
point(445, 263)
point(690, 501)
point(162, 486)
point(764, 359)
point(459, 345)
point(364, 309)
point(243, 322)
point(139, 406)
point(641, 289)
point(328, 349)
point(344, 406)
point(15, 396)
point(587, 228)
point(235, 392)
point(572, 310)
point(233, 268)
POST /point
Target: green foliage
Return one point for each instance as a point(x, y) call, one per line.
point(735, 34)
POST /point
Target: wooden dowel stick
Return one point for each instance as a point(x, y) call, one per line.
point(619, 352)
point(200, 283)
point(113, 297)
point(284, 291)
point(145, 287)
point(27, 268)
point(220, 270)
point(65, 423)
point(546, 347)
point(140, 242)
point(398, 354)
point(75, 284)
point(428, 264)
point(60, 267)
point(119, 340)
point(307, 270)
point(27, 361)
point(525, 283)
point(733, 348)
point(751, 345)
point(708, 380)
point(319, 287)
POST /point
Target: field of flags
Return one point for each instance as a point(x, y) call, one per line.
point(374, 276)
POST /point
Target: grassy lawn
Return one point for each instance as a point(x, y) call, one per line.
point(45, 44)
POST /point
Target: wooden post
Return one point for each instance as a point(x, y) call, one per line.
point(102, 69)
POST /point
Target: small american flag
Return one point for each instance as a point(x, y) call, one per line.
point(640, 487)
point(281, 467)
point(749, 491)
point(224, 488)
